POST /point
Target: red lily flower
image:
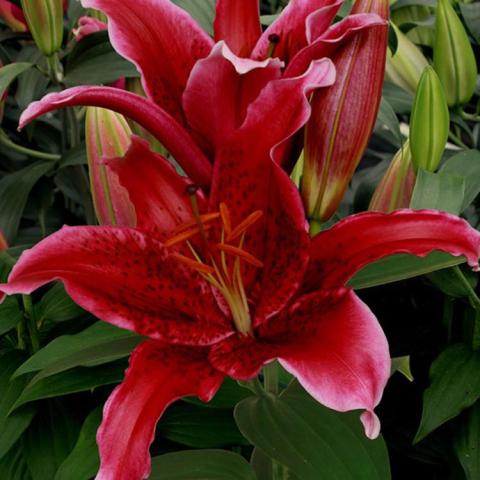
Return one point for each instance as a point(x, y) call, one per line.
point(225, 283)
point(87, 26)
point(168, 47)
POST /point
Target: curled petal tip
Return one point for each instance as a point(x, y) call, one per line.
point(371, 424)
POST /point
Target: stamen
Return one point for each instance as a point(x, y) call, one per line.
point(205, 218)
point(245, 225)
point(274, 40)
point(185, 235)
point(226, 219)
point(198, 266)
point(238, 252)
point(192, 192)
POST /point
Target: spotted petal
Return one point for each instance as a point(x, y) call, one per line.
point(358, 240)
point(161, 39)
point(331, 342)
point(157, 376)
point(125, 278)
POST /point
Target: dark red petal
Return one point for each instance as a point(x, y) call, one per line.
point(158, 122)
point(247, 180)
point(161, 39)
point(125, 278)
point(332, 343)
point(358, 240)
point(220, 89)
point(157, 191)
point(291, 28)
point(238, 23)
point(157, 376)
point(331, 40)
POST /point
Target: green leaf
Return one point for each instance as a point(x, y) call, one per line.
point(93, 61)
point(203, 11)
point(455, 385)
point(49, 439)
point(471, 15)
point(200, 427)
point(400, 267)
point(387, 124)
point(72, 381)
point(466, 163)
point(9, 73)
point(267, 469)
point(10, 314)
point(440, 191)
point(101, 343)
point(14, 191)
point(467, 442)
point(57, 306)
point(83, 461)
point(310, 440)
point(13, 466)
point(448, 282)
point(402, 365)
point(229, 394)
point(400, 100)
point(201, 465)
point(12, 426)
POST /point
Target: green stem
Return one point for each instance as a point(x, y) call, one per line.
point(457, 140)
point(270, 375)
point(31, 323)
point(21, 334)
point(315, 227)
point(254, 386)
point(472, 295)
point(470, 116)
point(55, 68)
point(4, 140)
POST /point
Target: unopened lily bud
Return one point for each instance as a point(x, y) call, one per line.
point(87, 26)
point(396, 187)
point(405, 66)
point(45, 20)
point(343, 116)
point(3, 242)
point(13, 16)
point(108, 136)
point(453, 57)
point(429, 123)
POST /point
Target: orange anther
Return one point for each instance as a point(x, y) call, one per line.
point(206, 218)
point(245, 225)
point(226, 219)
point(184, 235)
point(198, 266)
point(238, 252)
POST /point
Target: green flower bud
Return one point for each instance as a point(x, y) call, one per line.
point(405, 67)
point(453, 57)
point(45, 20)
point(429, 123)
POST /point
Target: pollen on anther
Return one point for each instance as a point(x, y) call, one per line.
point(198, 266)
point(238, 252)
point(245, 225)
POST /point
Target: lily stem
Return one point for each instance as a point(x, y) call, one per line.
point(4, 140)
point(31, 323)
point(474, 302)
point(270, 376)
point(315, 227)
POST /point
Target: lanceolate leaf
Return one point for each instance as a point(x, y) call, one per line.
point(310, 440)
point(57, 306)
point(76, 380)
point(83, 461)
point(98, 344)
point(10, 314)
point(455, 385)
point(9, 73)
point(467, 442)
point(201, 465)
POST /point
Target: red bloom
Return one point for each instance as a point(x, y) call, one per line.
point(13, 16)
point(225, 283)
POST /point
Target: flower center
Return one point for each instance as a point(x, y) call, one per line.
point(219, 262)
